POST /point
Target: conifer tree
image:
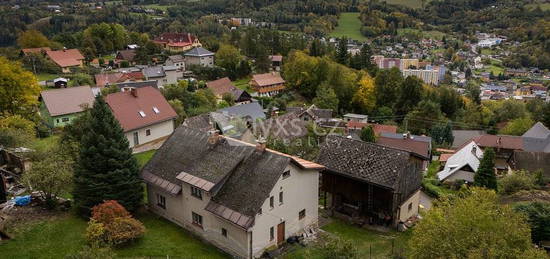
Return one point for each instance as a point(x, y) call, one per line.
point(106, 169)
point(367, 134)
point(485, 175)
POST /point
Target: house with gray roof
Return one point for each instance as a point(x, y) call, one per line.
point(199, 56)
point(463, 164)
point(537, 139)
point(164, 75)
point(253, 111)
point(175, 60)
point(312, 113)
point(369, 182)
point(242, 198)
point(462, 137)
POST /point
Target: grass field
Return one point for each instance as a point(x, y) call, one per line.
point(437, 35)
point(243, 85)
point(158, 7)
point(543, 6)
point(349, 25)
point(45, 77)
point(408, 3)
point(144, 157)
point(371, 244)
point(64, 236)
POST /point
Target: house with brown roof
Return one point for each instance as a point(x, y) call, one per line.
point(66, 59)
point(276, 62)
point(420, 147)
point(177, 42)
point(126, 55)
point(42, 50)
point(355, 127)
point(311, 113)
point(143, 113)
point(224, 86)
point(242, 198)
point(268, 84)
point(368, 182)
point(58, 107)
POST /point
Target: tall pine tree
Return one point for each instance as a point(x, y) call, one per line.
point(485, 175)
point(106, 169)
point(342, 54)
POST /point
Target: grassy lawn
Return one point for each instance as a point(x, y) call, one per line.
point(349, 25)
point(408, 3)
point(437, 35)
point(243, 85)
point(144, 157)
point(45, 143)
point(158, 7)
point(63, 236)
point(45, 77)
point(495, 69)
point(368, 242)
point(543, 6)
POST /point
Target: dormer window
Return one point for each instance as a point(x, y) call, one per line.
point(156, 110)
point(142, 114)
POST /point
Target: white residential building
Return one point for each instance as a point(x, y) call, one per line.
point(240, 197)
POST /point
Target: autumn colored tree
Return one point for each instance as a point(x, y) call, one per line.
point(474, 225)
point(19, 89)
point(364, 100)
point(33, 39)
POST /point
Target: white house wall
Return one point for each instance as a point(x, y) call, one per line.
point(461, 175)
point(179, 210)
point(300, 191)
point(414, 201)
point(158, 130)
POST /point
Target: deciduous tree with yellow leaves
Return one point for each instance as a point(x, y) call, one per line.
point(364, 100)
point(19, 89)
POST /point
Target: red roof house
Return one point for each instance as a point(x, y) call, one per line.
point(143, 113)
point(66, 58)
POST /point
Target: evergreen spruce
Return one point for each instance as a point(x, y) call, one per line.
point(106, 169)
point(367, 134)
point(342, 55)
point(485, 175)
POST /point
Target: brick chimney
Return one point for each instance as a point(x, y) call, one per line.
point(133, 92)
point(261, 144)
point(213, 137)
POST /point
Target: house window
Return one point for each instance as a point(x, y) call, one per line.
point(142, 114)
point(65, 119)
point(161, 201)
point(271, 201)
point(156, 110)
point(302, 214)
point(196, 192)
point(286, 174)
point(260, 211)
point(148, 132)
point(271, 234)
point(280, 197)
point(410, 206)
point(224, 232)
point(57, 120)
point(197, 219)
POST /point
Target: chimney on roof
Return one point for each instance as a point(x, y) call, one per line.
point(133, 92)
point(261, 144)
point(213, 137)
point(407, 135)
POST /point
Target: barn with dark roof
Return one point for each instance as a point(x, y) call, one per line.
point(369, 182)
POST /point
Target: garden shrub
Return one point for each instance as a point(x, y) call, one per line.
point(96, 234)
point(517, 181)
point(108, 211)
point(340, 248)
point(112, 225)
point(123, 230)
